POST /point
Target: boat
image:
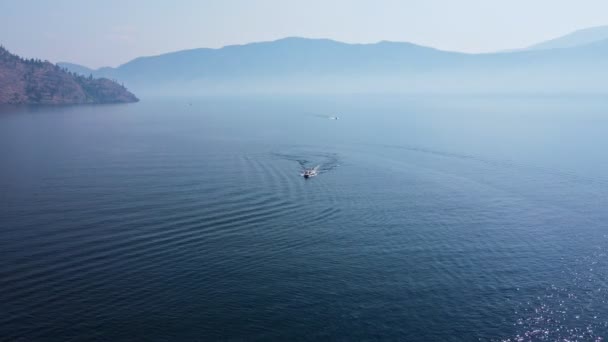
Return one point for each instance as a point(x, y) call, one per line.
point(309, 173)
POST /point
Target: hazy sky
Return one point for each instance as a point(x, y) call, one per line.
point(111, 32)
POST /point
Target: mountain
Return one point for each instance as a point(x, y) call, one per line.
point(39, 82)
point(297, 61)
point(299, 65)
point(574, 39)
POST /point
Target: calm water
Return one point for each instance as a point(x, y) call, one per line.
point(433, 219)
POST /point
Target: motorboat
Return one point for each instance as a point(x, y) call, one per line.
point(309, 173)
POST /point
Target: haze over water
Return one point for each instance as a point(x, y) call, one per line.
point(433, 218)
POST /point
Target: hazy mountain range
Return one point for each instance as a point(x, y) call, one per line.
point(577, 62)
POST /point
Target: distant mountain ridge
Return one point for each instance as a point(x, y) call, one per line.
point(574, 39)
point(296, 65)
point(76, 68)
point(39, 82)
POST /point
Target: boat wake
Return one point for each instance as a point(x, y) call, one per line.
point(324, 116)
point(312, 164)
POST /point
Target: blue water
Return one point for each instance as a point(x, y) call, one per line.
point(433, 218)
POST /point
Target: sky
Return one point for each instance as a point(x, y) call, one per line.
point(99, 33)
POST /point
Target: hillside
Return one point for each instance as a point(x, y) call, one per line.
point(39, 82)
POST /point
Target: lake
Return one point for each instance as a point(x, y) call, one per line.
point(433, 218)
